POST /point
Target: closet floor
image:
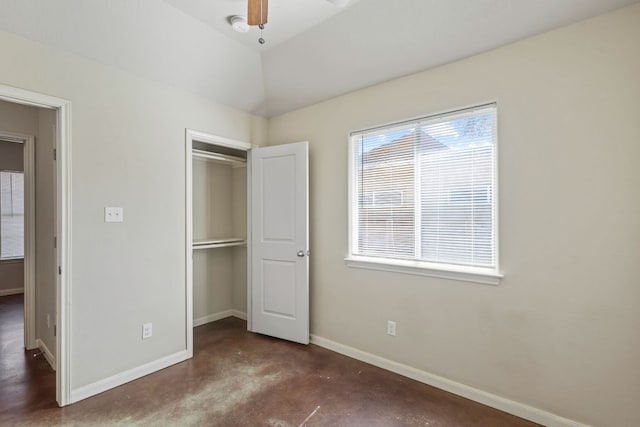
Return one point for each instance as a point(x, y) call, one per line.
point(237, 378)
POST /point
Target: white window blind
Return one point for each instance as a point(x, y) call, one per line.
point(425, 190)
point(12, 215)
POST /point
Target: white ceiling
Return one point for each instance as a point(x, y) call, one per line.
point(287, 18)
point(314, 50)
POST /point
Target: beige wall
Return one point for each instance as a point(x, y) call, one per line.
point(20, 119)
point(128, 137)
point(239, 202)
point(560, 332)
point(10, 153)
point(218, 211)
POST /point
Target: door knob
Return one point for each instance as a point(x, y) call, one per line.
point(300, 254)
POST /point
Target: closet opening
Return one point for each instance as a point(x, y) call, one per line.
point(217, 189)
point(247, 236)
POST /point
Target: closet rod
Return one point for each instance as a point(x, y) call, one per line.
point(219, 157)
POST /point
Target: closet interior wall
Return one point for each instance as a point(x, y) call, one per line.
point(219, 212)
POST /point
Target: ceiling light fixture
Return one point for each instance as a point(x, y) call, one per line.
point(257, 11)
point(239, 23)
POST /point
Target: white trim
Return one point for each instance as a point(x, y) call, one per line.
point(46, 353)
point(212, 318)
point(12, 260)
point(248, 317)
point(188, 163)
point(239, 314)
point(203, 137)
point(218, 316)
point(63, 227)
point(503, 404)
point(352, 208)
point(496, 189)
point(466, 110)
point(105, 384)
point(420, 269)
point(27, 97)
point(64, 234)
point(29, 258)
point(30, 243)
point(12, 291)
point(207, 138)
point(489, 276)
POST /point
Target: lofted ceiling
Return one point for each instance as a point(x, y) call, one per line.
point(287, 18)
point(314, 50)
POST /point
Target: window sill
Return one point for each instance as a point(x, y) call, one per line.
point(465, 274)
point(11, 260)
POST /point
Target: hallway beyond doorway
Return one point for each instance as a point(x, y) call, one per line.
point(27, 382)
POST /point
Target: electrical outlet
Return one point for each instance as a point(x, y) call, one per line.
point(113, 214)
point(391, 328)
point(147, 330)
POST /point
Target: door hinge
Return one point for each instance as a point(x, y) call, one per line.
point(55, 242)
point(55, 332)
point(55, 154)
point(59, 270)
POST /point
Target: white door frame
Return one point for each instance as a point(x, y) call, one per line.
point(63, 227)
point(192, 136)
point(29, 233)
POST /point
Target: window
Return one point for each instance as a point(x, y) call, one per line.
point(376, 199)
point(423, 196)
point(12, 215)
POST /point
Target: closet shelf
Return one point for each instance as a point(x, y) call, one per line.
point(219, 243)
point(219, 158)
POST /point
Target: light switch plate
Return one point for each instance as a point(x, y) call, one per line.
point(147, 330)
point(113, 214)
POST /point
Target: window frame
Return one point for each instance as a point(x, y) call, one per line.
point(488, 276)
point(8, 260)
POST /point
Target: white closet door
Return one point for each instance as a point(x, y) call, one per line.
point(280, 241)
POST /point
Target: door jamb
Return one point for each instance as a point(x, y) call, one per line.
point(63, 227)
point(192, 136)
point(28, 170)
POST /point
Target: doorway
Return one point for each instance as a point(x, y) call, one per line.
point(17, 207)
point(247, 207)
point(57, 317)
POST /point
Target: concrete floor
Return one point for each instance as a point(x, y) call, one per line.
point(27, 382)
point(235, 378)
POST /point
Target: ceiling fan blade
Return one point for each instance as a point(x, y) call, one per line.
point(257, 12)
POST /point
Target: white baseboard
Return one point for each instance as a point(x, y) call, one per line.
point(239, 314)
point(47, 353)
point(217, 316)
point(512, 407)
point(13, 291)
point(212, 317)
point(126, 376)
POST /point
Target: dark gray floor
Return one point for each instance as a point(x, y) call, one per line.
point(237, 378)
point(27, 382)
